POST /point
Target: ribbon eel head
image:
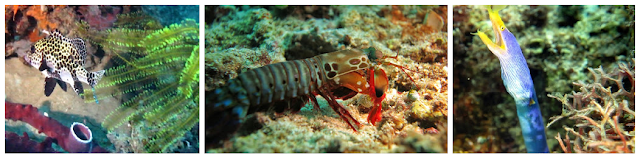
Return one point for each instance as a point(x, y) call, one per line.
point(502, 34)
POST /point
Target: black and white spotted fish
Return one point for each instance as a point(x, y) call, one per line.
point(62, 59)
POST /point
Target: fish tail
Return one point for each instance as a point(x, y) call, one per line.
point(94, 77)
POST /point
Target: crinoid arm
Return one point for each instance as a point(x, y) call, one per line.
point(158, 76)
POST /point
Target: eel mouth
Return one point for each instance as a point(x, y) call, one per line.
point(497, 33)
point(497, 24)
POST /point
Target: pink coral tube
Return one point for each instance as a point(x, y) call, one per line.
point(79, 138)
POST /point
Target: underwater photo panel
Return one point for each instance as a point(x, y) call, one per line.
point(316, 79)
point(108, 79)
point(543, 78)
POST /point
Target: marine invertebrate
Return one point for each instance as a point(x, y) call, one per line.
point(99, 17)
point(416, 22)
point(27, 22)
point(171, 14)
point(228, 106)
point(337, 75)
point(351, 27)
point(65, 137)
point(517, 80)
point(16, 143)
point(62, 59)
point(161, 68)
point(32, 19)
point(603, 110)
point(250, 29)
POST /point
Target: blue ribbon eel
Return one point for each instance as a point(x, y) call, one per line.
point(517, 80)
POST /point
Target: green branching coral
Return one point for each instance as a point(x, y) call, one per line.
point(603, 112)
point(159, 77)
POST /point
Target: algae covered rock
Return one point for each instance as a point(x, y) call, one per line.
point(246, 37)
point(559, 43)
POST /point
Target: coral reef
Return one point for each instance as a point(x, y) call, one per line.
point(100, 18)
point(24, 84)
point(27, 22)
point(238, 38)
point(314, 131)
point(603, 110)
point(55, 131)
point(168, 15)
point(15, 143)
point(559, 43)
point(153, 70)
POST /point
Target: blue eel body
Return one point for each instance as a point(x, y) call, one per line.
point(517, 80)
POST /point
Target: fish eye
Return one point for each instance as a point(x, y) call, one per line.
point(33, 49)
point(501, 27)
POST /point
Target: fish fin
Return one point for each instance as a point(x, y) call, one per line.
point(94, 77)
point(49, 85)
point(62, 84)
point(43, 65)
point(532, 102)
point(80, 47)
point(56, 33)
point(94, 95)
point(77, 87)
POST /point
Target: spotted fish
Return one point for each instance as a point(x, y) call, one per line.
point(61, 60)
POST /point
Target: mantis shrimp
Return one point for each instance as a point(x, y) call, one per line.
point(336, 75)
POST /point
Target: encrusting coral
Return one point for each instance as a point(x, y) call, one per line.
point(603, 111)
